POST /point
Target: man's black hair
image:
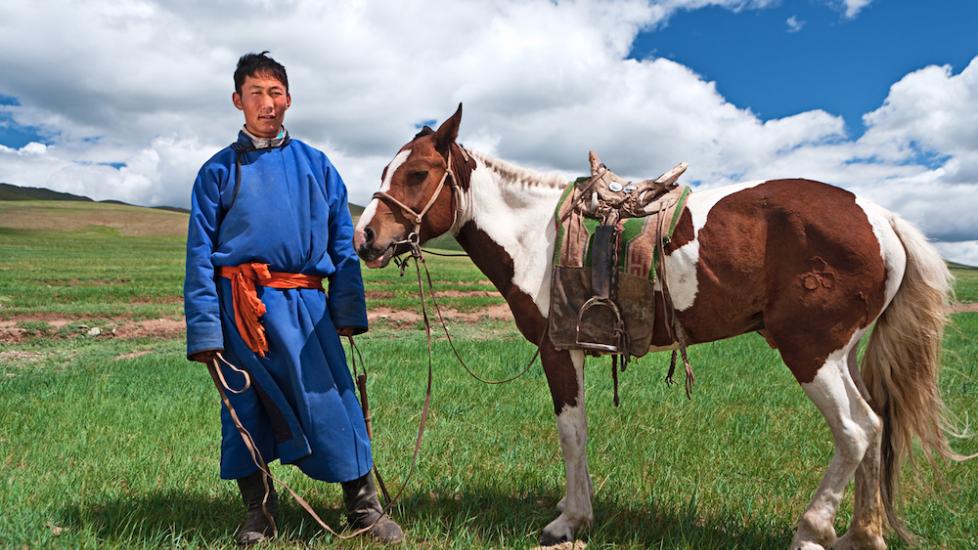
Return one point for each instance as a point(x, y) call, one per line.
point(254, 64)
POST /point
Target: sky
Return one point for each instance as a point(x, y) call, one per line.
point(125, 99)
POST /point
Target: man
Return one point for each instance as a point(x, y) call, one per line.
point(268, 222)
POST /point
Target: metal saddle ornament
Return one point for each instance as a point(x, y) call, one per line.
point(606, 196)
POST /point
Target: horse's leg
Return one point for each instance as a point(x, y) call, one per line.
point(565, 376)
point(854, 428)
point(866, 530)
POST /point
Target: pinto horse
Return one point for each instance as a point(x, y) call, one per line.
point(808, 265)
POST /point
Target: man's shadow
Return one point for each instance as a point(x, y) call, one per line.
point(483, 514)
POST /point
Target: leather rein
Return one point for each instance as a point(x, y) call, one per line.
point(416, 253)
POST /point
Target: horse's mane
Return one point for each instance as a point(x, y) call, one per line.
point(515, 175)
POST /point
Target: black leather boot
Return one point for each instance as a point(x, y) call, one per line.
point(364, 510)
point(256, 526)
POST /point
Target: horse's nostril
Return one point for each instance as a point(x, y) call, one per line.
point(368, 235)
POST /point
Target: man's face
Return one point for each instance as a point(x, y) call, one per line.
point(264, 101)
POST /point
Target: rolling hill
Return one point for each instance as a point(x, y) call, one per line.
point(45, 209)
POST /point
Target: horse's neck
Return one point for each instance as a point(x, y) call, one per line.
point(518, 219)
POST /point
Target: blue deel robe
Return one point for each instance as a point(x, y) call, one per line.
point(291, 213)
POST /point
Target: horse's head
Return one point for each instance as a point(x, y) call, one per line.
point(418, 196)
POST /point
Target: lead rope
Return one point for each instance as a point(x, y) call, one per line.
point(413, 241)
point(223, 387)
point(419, 262)
point(361, 379)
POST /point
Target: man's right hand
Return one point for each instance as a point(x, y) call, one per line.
point(205, 357)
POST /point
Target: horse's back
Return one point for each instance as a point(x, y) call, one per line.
point(782, 253)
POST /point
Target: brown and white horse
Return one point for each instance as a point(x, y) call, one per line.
point(808, 265)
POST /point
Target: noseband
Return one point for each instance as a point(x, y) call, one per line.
point(417, 217)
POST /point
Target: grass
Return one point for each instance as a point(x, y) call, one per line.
point(108, 451)
point(965, 284)
point(113, 443)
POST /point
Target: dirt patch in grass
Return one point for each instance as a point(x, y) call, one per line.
point(152, 300)
point(963, 308)
point(17, 329)
point(439, 293)
point(13, 330)
point(494, 312)
point(155, 328)
point(133, 354)
point(465, 293)
point(14, 356)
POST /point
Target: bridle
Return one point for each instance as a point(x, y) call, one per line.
point(416, 253)
point(418, 217)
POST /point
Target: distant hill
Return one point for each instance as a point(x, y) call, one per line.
point(10, 192)
point(167, 208)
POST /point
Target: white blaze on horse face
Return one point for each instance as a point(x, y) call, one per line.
point(368, 213)
point(681, 265)
point(520, 220)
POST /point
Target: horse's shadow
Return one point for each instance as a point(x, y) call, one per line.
point(485, 515)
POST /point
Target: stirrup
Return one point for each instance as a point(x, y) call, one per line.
point(595, 302)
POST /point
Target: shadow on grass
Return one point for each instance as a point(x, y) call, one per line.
point(483, 516)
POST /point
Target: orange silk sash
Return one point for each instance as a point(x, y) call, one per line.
point(248, 307)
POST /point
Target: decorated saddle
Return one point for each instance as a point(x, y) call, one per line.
point(610, 237)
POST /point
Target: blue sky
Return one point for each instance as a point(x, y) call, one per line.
point(876, 96)
point(15, 135)
point(842, 65)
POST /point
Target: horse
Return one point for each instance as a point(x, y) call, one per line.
point(808, 265)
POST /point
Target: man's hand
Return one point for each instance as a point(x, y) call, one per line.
point(205, 357)
point(345, 331)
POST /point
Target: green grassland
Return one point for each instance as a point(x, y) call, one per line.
point(965, 284)
point(113, 443)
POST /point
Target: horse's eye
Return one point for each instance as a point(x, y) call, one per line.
point(417, 176)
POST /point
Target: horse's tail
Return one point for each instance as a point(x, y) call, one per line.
point(901, 366)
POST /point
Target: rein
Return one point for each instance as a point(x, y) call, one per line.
point(416, 254)
point(413, 241)
point(361, 379)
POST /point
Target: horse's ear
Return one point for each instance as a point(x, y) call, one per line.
point(596, 163)
point(447, 133)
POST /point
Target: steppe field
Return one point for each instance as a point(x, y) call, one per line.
point(109, 436)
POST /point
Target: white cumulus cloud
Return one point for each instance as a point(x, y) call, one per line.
point(148, 84)
point(794, 24)
point(853, 7)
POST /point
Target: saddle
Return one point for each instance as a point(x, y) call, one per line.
point(610, 237)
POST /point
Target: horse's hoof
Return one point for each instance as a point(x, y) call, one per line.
point(860, 541)
point(814, 533)
point(552, 539)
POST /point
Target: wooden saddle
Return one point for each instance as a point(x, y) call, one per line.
point(610, 233)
